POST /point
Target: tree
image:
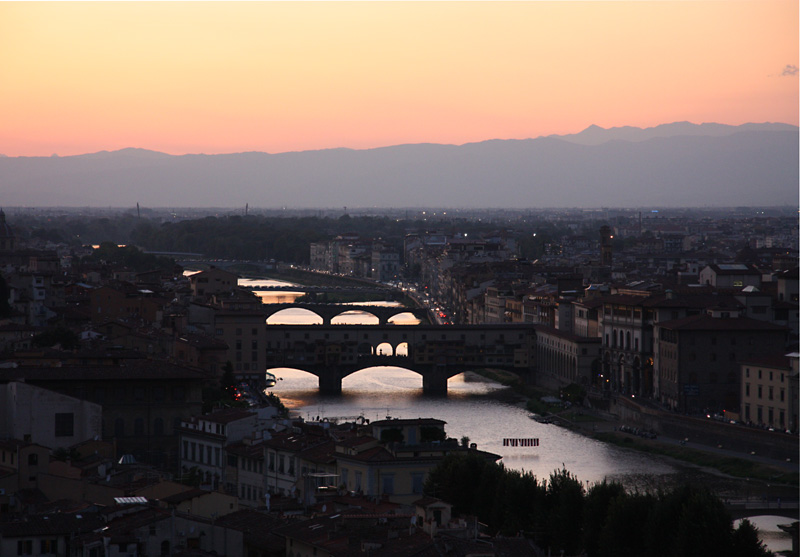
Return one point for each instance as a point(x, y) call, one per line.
point(57, 336)
point(746, 542)
point(392, 435)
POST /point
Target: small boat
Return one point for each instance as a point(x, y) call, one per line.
point(270, 380)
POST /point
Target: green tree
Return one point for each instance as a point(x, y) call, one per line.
point(57, 336)
point(746, 542)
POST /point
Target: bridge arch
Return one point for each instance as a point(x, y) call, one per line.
point(355, 317)
point(384, 349)
point(294, 316)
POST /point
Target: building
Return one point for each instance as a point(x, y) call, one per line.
point(730, 275)
point(698, 359)
point(204, 441)
point(47, 417)
point(213, 281)
point(563, 358)
point(143, 400)
point(769, 392)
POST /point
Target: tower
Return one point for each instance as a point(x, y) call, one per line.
point(6, 234)
point(605, 246)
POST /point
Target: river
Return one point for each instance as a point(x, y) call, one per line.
point(487, 413)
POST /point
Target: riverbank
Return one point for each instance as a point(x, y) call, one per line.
point(746, 473)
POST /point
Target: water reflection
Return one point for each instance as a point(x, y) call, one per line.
point(471, 408)
point(773, 537)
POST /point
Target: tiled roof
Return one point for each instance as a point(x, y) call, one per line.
point(704, 322)
point(777, 361)
point(51, 525)
point(407, 422)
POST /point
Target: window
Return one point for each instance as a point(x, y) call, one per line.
point(25, 547)
point(158, 426)
point(759, 391)
point(65, 424)
point(281, 463)
point(747, 389)
point(770, 395)
point(119, 427)
point(387, 483)
point(49, 547)
point(33, 459)
point(138, 427)
point(138, 393)
point(416, 482)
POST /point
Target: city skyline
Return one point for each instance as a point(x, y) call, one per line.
point(277, 77)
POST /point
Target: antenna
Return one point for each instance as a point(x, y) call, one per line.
point(138, 214)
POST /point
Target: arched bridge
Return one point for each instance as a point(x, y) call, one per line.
point(746, 508)
point(322, 290)
point(328, 311)
point(332, 352)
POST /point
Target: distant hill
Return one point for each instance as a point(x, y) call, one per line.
point(679, 164)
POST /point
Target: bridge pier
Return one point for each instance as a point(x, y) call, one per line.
point(330, 382)
point(434, 382)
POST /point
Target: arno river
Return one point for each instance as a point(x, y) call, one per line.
point(483, 411)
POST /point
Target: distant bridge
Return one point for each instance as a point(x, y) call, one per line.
point(332, 352)
point(328, 311)
point(381, 290)
point(245, 264)
point(746, 508)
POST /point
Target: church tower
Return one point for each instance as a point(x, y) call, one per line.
point(605, 246)
point(6, 234)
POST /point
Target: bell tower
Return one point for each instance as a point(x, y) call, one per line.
point(605, 246)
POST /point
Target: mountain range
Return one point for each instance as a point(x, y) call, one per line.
point(678, 164)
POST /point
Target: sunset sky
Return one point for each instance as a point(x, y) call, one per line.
point(224, 77)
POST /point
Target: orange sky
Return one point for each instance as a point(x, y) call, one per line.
point(225, 77)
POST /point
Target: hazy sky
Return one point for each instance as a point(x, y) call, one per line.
point(225, 77)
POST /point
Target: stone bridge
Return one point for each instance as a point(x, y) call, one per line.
point(760, 507)
point(436, 352)
point(322, 290)
point(328, 311)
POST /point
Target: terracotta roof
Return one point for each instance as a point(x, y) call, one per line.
point(226, 416)
point(705, 322)
point(186, 496)
point(51, 525)
point(777, 361)
point(128, 369)
point(407, 421)
point(546, 329)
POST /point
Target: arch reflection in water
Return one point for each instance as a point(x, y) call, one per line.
point(474, 407)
